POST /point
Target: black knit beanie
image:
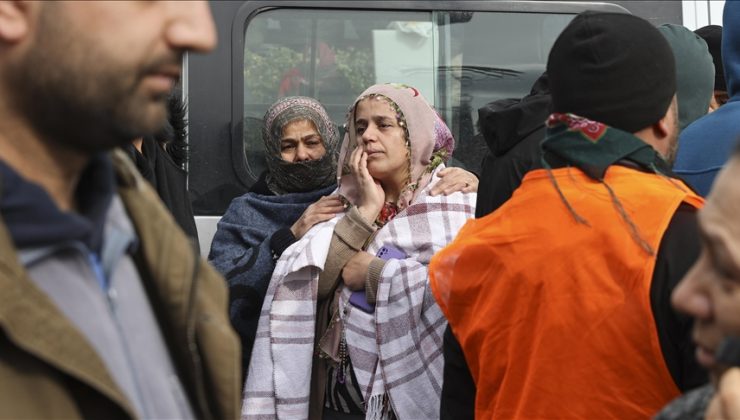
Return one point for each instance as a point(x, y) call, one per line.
point(712, 34)
point(613, 68)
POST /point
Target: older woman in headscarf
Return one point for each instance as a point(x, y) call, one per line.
point(301, 145)
point(349, 328)
point(292, 195)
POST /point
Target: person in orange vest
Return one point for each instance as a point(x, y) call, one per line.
point(559, 302)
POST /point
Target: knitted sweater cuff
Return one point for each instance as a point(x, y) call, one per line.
point(354, 230)
point(373, 279)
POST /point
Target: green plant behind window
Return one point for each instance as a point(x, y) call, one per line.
point(357, 66)
point(263, 73)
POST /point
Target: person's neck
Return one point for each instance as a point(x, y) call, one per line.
point(391, 194)
point(393, 187)
point(52, 166)
point(648, 136)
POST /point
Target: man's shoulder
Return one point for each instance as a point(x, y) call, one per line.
point(152, 222)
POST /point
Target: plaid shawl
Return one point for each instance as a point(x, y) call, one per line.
point(396, 352)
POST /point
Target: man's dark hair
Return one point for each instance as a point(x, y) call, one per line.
point(173, 137)
point(712, 34)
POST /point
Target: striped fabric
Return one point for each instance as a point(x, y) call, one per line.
point(346, 397)
point(400, 366)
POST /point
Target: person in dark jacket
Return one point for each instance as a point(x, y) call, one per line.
point(513, 130)
point(289, 198)
point(161, 159)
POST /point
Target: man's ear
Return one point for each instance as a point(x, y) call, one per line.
point(669, 123)
point(14, 21)
point(660, 128)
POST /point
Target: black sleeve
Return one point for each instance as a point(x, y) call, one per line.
point(458, 388)
point(678, 251)
point(489, 186)
point(501, 175)
point(280, 241)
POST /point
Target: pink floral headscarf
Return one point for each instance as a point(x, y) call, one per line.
point(428, 137)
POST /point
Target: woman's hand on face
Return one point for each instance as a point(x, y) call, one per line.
point(453, 180)
point(320, 211)
point(372, 195)
point(726, 401)
point(355, 271)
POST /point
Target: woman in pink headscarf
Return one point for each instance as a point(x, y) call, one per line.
point(349, 303)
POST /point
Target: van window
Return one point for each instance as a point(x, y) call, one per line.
point(458, 60)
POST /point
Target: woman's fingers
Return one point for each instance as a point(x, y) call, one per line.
point(330, 209)
point(444, 172)
point(358, 165)
point(327, 205)
point(317, 218)
point(354, 160)
point(364, 179)
point(332, 200)
point(322, 210)
point(452, 180)
point(363, 166)
point(472, 184)
point(448, 187)
point(371, 195)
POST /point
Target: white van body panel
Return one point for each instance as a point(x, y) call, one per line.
point(206, 226)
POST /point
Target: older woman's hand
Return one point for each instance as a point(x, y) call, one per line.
point(452, 180)
point(371, 194)
point(322, 210)
point(355, 271)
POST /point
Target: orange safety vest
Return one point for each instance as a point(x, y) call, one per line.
point(554, 316)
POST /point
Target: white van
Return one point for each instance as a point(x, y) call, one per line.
point(460, 54)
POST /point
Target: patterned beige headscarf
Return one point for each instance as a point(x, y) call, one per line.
point(428, 138)
point(291, 177)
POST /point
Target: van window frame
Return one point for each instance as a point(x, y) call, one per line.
point(250, 9)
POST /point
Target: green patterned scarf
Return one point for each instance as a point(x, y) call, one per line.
point(592, 147)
